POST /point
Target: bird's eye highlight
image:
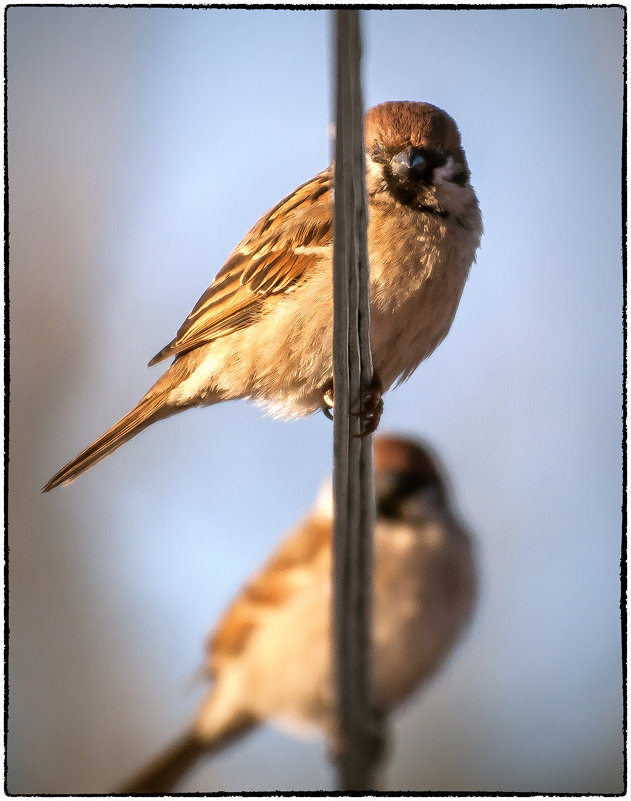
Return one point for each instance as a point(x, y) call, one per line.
point(439, 157)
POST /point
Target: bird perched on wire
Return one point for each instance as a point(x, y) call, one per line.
point(263, 329)
point(269, 658)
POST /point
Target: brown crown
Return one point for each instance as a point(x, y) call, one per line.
point(397, 124)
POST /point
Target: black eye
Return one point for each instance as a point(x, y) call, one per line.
point(377, 153)
point(439, 157)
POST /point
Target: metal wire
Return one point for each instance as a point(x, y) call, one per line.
point(358, 732)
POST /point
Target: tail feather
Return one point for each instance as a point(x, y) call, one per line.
point(146, 412)
point(166, 770)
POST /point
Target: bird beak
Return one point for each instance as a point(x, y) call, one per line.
point(411, 165)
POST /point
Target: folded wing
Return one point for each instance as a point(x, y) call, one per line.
point(276, 255)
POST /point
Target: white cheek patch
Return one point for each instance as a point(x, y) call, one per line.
point(450, 195)
point(444, 174)
point(374, 174)
point(323, 506)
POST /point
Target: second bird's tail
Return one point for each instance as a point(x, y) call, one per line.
point(166, 770)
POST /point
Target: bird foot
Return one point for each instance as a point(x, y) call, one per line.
point(371, 406)
point(327, 401)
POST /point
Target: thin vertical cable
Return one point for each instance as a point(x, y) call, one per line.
point(353, 472)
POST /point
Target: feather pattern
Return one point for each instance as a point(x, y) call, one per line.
point(278, 253)
point(262, 330)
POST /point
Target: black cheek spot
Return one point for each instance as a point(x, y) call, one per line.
point(460, 178)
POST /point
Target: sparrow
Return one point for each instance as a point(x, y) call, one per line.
point(269, 658)
point(263, 329)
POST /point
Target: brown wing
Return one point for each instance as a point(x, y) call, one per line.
point(277, 253)
point(287, 571)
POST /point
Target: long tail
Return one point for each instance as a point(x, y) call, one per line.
point(167, 769)
point(150, 409)
point(161, 775)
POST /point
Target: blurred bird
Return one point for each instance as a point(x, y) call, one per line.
point(263, 329)
point(270, 655)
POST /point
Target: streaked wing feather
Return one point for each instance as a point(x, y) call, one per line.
point(279, 252)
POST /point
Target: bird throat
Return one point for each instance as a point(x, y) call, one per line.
point(407, 194)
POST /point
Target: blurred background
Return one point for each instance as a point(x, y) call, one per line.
point(143, 144)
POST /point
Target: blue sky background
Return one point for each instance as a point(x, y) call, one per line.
point(143, 144)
